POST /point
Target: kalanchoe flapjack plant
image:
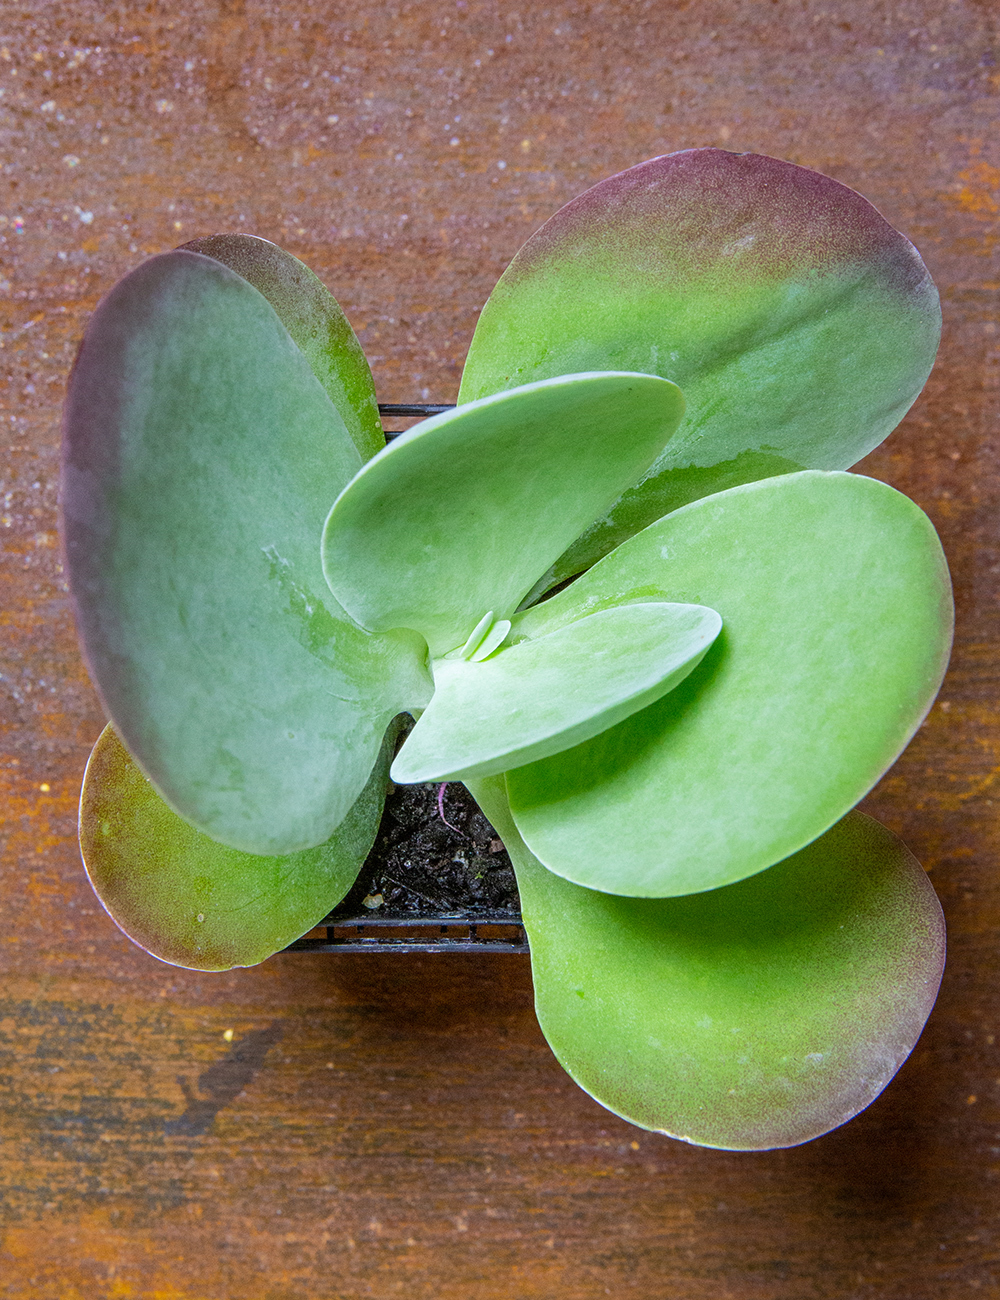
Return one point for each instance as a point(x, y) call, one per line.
point(670, 745)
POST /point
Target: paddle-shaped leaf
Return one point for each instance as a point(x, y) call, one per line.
point(798, 323)
point(536, 698)
point(316, 323)
point(193, 902)
point(201, 457)
point(756, 1016)
point(462, 514)
point(836, 612)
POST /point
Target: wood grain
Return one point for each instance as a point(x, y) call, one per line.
point(357, 1126)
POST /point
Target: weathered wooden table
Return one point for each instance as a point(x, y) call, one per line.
point(348, 1126)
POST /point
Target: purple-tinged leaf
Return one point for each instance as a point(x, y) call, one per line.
point(316, 322)
point(196, 903)
point(201, 456)
point(798, 323)
point(756, 1016)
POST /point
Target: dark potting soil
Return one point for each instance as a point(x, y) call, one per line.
point(435, 855)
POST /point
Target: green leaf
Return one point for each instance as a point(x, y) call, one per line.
point(196, 903)
point(493, 639)
point(756, 1016)
point(836, 609)
point(798, 323)
point(201, 457)
point(462, 514)
point(316, 323)
point(538, 697)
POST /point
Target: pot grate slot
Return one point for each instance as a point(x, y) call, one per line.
point(486, 933)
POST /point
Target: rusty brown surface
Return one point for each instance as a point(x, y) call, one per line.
point(357, 1126)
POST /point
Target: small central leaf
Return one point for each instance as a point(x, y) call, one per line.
point(475, 638)
point(492, 641)
point(539, 697)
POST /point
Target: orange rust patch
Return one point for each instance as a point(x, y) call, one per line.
point(21, 796)
point(980, 193)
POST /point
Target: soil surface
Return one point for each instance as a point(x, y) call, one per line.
point(435, 855)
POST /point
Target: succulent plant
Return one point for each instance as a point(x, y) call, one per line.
point(626, 588)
